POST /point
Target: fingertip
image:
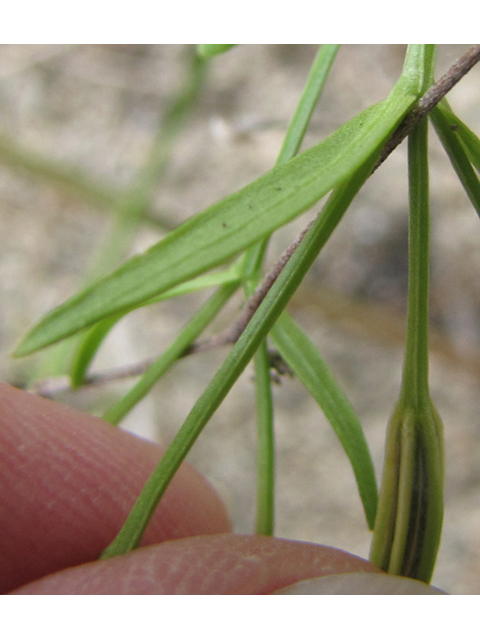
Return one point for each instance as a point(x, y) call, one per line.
point(224, 564)
point(68, 481)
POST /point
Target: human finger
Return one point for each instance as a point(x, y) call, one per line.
point(215, 564)
point(67, 482)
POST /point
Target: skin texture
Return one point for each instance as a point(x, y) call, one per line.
point(221, 564)
point(67, 482)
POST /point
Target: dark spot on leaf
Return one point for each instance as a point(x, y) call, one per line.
point(278, 188)
point(224, 224)
point(454, 127)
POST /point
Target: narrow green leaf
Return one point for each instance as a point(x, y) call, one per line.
point(471, 143)
point(446, 126)
point(209, 50)
point(303, 357)
point(227, 227)
point(253, 261)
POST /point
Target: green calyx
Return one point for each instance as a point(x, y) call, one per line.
point(410, 511)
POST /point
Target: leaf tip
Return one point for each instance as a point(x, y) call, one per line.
point(25, 348)
point(209, 50)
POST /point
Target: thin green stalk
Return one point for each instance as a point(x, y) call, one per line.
point(265, 427)
point(415, 370)
point(167, 359)
point(86, 348)
point(410, 512)
point(265, 517)
point(309, 100)
point(255, 333)
point(298, 125)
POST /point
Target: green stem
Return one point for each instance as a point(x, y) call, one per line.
point(265, 427)
point(415, 373)
point(265, 518)
point(264, 524)
point(309, 100)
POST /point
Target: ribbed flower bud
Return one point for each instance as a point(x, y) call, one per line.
point(408, 524)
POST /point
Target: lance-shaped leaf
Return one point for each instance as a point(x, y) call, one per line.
point(303, 357)
point(236, 222)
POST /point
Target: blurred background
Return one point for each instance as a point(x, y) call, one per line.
point(77, 123)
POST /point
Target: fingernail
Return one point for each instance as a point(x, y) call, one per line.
point(360, 584)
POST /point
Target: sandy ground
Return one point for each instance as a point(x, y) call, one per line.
point(95, 108)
